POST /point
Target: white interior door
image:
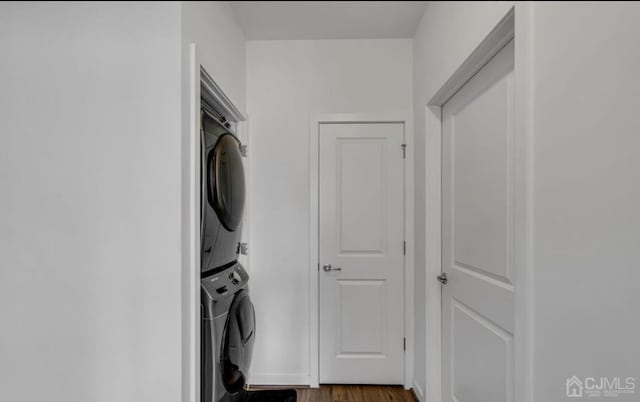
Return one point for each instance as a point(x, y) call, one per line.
point(361, 253)
point(477, 236)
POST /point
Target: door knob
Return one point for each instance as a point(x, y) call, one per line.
point(442, 278)
point(329, 268)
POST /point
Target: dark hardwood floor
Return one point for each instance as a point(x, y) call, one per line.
point(352, 393)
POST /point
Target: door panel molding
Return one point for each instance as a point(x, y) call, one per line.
point(373, 347)
point(502, 345)
point(405, 118)
point(377, 244)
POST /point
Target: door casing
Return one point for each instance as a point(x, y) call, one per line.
point(516, 24)
point(406, 118)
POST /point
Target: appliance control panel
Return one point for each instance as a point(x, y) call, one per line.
point(225, 283)
point(235, 277)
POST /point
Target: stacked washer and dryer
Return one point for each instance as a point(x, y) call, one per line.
point(228, 318)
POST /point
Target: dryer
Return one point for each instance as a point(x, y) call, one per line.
point(223, 194)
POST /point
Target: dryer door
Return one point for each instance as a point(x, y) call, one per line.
point(237, 343)
point(223, 196)
point(226, 188)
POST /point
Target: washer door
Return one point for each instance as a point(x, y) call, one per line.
point(237, 343)
point(226, 191)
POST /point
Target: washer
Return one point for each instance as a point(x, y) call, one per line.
point(228, 331)
point(223, 193)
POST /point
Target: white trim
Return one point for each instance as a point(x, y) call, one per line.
point(406, 119)
point(279, 379)
point(433, 249)
point(418, 392)
point(409, 234)
point(481, 55)
point(314, 280)
point(524, 100)
point(215, 96)
point(516, 23)
point(191, 229)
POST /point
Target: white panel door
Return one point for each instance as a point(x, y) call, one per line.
point(477, 236)
point(361, 253)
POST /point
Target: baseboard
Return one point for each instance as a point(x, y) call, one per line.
point(279, 379)
point(417, 392)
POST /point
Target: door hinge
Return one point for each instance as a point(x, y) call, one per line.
point(244, 150)
point(404, 344)
point(404, 151)
point(224, 122)
point(404, 248)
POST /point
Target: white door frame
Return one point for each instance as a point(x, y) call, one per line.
point(516, 24)
point(195, 82)
point(400, 117)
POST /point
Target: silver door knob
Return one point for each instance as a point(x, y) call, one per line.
point(442, 278)
point(329, 268)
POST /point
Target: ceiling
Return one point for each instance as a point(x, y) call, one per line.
point(262, 20)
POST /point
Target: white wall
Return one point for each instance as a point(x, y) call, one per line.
point(90, 205)
point(212, 26)
point(586, 194)
point(286, 82)
point(585, 172)
point(447, 34)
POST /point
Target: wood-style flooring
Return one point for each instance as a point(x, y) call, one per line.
point(352, 393)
